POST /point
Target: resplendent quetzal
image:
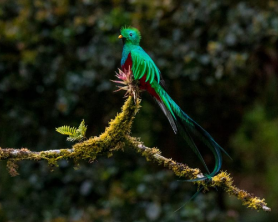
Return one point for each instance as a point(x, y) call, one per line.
point(146, 72)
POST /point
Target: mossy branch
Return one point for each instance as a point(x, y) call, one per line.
point(117, 137)
point(222, 180)
point(111, 140)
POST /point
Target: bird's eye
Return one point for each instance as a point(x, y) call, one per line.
point(130, 34)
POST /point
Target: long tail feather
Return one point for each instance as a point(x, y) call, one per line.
point(188, 127)
point(192, 198)
point(185, 133)
point(168, 115)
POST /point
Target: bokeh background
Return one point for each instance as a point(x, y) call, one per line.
point(220, 62)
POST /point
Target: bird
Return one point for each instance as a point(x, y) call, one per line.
point(149, 78)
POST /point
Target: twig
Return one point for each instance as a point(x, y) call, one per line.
point(222, 180)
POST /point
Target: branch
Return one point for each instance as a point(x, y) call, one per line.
point(111, 140)
point(222, 180)
point(117, 137)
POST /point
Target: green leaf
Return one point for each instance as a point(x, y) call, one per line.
point(66, 130)
point(82, 128)
point(73, 133)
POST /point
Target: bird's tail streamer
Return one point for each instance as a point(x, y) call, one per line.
point(187, 127)
point(191, 198)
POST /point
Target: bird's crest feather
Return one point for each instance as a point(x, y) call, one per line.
point(125, 28)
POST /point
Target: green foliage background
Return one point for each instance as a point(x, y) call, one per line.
point(220, 61)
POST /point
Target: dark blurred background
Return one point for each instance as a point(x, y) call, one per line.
point(220, 62)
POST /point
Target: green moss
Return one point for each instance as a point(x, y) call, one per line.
point(224, 180)
point(153, 154)
point(113, 137)
point(3, 155)
point(256, 203)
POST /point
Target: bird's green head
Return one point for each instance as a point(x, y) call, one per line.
point(130, 35)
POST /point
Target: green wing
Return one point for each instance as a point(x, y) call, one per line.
point(143, 64)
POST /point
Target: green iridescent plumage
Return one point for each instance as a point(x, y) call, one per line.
point(143, 66)
point(142, 62)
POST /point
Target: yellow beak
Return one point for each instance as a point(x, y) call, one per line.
point(120, 37)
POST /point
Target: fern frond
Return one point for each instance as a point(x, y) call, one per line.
point(66, 130)
point(72, 132)
point(82, 128)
